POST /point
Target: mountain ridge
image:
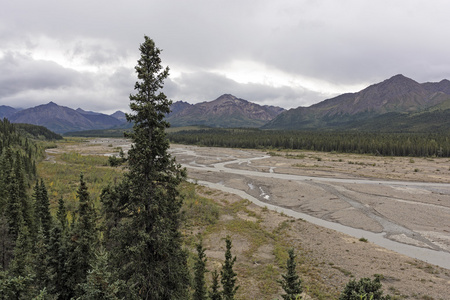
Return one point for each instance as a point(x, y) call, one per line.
point(398, 94)
point(61, 119)
point(225, 111)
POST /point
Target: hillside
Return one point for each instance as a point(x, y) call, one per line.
point(396, 104)
point(61, 119)
point(225, 111)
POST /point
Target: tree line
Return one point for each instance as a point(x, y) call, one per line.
point(386, 144)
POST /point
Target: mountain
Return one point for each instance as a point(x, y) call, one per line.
point(61, 119)
point(178, 107)
point(119, 115)
point(6, 111)
point(225, 111)
point(397, 102)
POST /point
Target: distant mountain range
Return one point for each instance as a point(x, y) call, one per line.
point(397, 104)
point(225, 111)
point(61, 119)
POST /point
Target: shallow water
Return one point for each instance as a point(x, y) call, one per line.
point(439, 258)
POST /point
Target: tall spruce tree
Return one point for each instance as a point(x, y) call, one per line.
point(57, 270)
point(200, 291)
point(228, 276)
point(83, 239)
point(42, 209)
point(146, 205)
point(291, 282)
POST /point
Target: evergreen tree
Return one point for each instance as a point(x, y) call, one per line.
point(16, 287)
point(228, 276)
point(57, 258)
point(364, 289)
point(101, 284)
point(13, 208)
point(42, 209)
point(291, 282)
point(41, 258)
point(146, 205)
point(200, 290)
point(26, 207)
point(83, 239)
point(61, 215)
point(21, 265)
point(214, 293)
point(6, 243)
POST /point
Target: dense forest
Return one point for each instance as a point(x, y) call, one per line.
point(386, 144)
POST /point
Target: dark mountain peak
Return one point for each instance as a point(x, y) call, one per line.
point(399, 77)
point(229, 98)
point(442, 86)
point(178, 107)
point(119, 115)
point(399, 83)
point(225, 111)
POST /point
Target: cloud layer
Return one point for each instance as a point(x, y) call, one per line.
point(286, 53)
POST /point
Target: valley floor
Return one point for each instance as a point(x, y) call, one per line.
point(408, 199)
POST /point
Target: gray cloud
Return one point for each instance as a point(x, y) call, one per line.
point(20, 73)
point(204, 86)
point(83, 52)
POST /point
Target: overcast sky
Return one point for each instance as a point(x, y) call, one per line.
point(80, 53)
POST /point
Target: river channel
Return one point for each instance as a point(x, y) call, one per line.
point(409, 217)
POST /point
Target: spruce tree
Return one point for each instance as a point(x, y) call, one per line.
point(291, 282)
point(364, 289)
point(199, 276)
point(146, 205)
point(41, 257)
point(26, 207)
point(228, 276)
point(6, 243)
point(101, 283)
point(14, 208)
point(83, 239)
point(42, 209)
point(22, 263)
point(214, 293)
point(57, 267)
point(61, 215)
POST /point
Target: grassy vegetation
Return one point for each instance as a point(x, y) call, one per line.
point(61, 174)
